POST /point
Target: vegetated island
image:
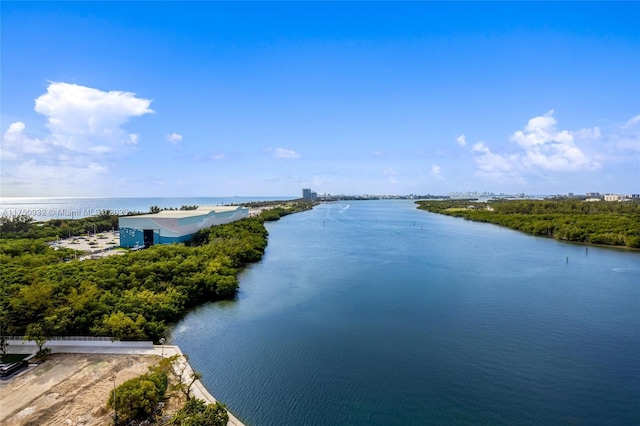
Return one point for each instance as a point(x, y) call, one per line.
point(134, 296)
point(46, 292)
point(602, 222)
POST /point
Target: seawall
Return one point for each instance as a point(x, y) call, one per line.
point(93, 345)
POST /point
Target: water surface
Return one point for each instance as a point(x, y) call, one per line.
point(375, 313)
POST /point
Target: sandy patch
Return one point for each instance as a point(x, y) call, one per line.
point(68, 389)
point(90, 243)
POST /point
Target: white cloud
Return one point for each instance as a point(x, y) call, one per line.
point(174, 138)
point(97, 168)
point(286, 153)
point(84, 124)
point(133, 139)
point(15, 142)
point(7, 155)
point(543, 149)
point(494, 164)
point(584, 134)
point(389, 172)
point(632, 122)
point(219, 156)
point(626, 140)
point(99, 149)
point(462, 140)
point(79, 117)
point(479, 147)
point(378, 154)
point(551, 149)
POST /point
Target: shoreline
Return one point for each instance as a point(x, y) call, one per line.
point(101, 348)
point(551, 237)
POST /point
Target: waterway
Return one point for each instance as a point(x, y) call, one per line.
point(375, 313)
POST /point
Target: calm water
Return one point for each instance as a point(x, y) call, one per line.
point(375, 313)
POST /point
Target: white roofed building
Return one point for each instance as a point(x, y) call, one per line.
point(174, 226)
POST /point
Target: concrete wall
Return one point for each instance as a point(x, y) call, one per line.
point(16, 346)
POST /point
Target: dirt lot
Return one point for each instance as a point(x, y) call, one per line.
point(90, 243)
point(70, 389)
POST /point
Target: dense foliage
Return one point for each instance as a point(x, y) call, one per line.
point(610, 223)
point(139, 398)
point(196, 413)
point(131, 296)
point(23, 226)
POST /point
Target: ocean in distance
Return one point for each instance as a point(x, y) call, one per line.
point(376, 313)
point(45, 208)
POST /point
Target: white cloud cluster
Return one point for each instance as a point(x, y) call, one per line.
point(16, 142)
point(495, 165)
point(80, 117)
point(80, 120)
point(542, 148)
point(84, 124)
point(462, 140)
point(174, 138)
point(133, 139)
point(286, 153)
point(627, 140)
point(552, 149)
point(632, 122)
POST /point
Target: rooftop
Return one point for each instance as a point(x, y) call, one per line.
point(200, 211)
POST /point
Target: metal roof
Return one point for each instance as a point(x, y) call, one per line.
point(179, 214)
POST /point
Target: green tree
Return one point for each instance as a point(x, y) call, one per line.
point(138, 398)
point(196, 412)
point(15, 224)
point(121, 326)
point(37, 333)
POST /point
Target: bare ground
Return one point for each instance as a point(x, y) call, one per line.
point(69, 389)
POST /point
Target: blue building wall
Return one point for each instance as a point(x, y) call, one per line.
point(169, 230)
point(130, 237)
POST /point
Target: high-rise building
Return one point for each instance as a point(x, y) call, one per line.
point(306, 193)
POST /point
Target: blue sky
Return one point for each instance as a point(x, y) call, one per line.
point(223, 99)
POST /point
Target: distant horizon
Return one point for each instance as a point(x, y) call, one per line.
point(293, 197)
point(114, 99)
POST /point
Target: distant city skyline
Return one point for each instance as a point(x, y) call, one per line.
point(134, 99)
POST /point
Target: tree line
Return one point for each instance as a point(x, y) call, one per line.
point(130, 297)
point(24, 226)
point(608, 223)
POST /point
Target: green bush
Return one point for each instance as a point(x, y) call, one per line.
point(196, 413)
point(138, 398)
